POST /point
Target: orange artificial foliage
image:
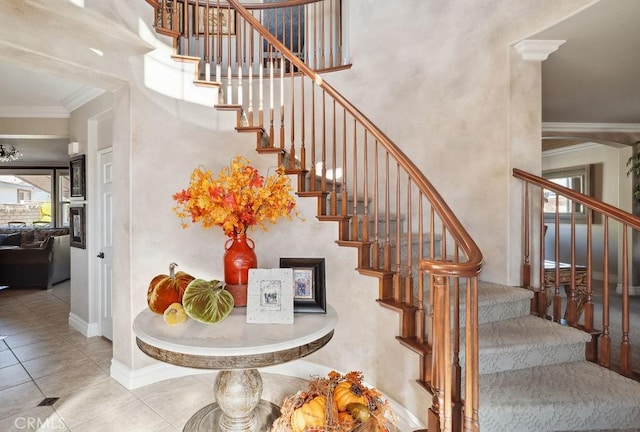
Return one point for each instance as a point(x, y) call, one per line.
point(238, 199)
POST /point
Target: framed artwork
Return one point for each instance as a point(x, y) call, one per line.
point(270, 296)
point(77, 227)
point(309, 293)
point(77, 177)
point(221, 20)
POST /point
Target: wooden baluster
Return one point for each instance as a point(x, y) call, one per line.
point(339, 35)
point(557, 301)
point(292, 147)
point(365, 187)
point(354, 189)
point(541, 307)
point(303, 154)
point(323, 148)
point(387, 217)
point(625, 347)
point(472, 388)
point(312, 170)
point(376, 211)
point(330, 34)
point(344, 199)
point(605, 339)
point(397, 282)
point(408, 281)
point(281, 101)
point(592, 347)
point(571, 298)
point(420, 313)
point(271, 90)
point(333, 196)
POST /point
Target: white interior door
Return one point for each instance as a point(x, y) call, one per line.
point(106, 241)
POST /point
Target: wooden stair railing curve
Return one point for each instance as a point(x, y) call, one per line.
point(603, 222)
point(403, 230)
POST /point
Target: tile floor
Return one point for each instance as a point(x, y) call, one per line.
point(42, 357)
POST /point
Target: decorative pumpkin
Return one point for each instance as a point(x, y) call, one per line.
point(207, 301)
point(167, 289)
point(310, 414)
point(359, 412)
point(347, 393)
point(174, 315)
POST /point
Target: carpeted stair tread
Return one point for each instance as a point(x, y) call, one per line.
point(498, 302)
point(526, 342)
point(572, 396)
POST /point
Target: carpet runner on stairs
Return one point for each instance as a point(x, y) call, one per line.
point(534, 376)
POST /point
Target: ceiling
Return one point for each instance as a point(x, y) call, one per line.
point(592, 78)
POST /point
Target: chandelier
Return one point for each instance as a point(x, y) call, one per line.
point(9, 154)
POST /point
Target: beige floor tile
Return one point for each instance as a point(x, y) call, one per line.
point(133, 417)
point(95, 345)
point(12, 376)
point(38, 419)
point(16, 399)
point(70, 380)
point(102, 359)
point(22, 326)
point(41, 349)
point(69, 358)
point(34, 336)
point(177, 400)
point(7, 358)
point(3, 345)
point(107, 397)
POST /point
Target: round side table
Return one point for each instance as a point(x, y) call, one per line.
point(236, 349)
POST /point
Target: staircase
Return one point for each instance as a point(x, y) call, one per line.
point(534, 376)
point(523, 373)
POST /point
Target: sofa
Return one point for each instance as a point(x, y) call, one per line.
point(34, 257)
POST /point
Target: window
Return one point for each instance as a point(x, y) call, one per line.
point(577, 178)
point(24, 195)
point(30, 195)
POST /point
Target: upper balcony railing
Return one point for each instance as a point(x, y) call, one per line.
point(215, 32)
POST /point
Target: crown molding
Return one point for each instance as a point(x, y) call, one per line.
point(572, 148)
point(80, 97)
point(33, 112)
point(537, 50)
point(590, 127)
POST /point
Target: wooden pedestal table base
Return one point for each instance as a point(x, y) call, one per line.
point(236, 349)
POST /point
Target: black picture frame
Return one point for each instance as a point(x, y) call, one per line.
point(309, 295)
point(77, 177)
point(77, 227)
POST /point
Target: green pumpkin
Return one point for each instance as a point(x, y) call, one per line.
point(207, 301)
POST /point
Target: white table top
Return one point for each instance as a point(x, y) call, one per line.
point(233, 336)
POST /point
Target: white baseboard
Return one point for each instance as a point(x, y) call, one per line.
point(633, 290)
point(86, 328)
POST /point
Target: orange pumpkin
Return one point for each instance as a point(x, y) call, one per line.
point(310, 414)
point(167, 289)
point(347, 393)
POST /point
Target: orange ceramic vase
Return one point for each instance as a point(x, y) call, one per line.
point(239, 257)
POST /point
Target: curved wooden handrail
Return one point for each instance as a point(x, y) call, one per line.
point(473, 264)
point(593, 204)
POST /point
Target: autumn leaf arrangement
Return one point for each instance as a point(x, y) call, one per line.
point(237, 200)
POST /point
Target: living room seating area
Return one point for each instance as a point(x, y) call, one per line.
point(34, 257)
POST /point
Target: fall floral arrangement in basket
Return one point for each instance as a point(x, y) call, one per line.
point(339, 403)
point(238, 199)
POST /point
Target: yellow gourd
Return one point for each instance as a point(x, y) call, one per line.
point(174, 315)
point(310, 414)
point(347, 393)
